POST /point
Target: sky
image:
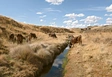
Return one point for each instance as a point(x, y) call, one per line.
point(59, 13)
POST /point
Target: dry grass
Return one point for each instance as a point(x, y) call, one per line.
point(27, 59)
point(93, 59)
point(21, 52)
point(38, 53)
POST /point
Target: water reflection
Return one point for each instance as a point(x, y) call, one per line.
point(55, 69)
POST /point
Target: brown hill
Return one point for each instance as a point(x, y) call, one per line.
point(12, 26)
point(9, 49)
point(89, 58)
point(9, 25)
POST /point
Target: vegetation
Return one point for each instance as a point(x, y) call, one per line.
point(26, 59)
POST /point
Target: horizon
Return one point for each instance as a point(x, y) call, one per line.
point(59, 13)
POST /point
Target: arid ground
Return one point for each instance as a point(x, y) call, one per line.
point(91, 59)
point(28, 58)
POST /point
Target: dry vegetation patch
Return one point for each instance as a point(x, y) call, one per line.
point(93, 58)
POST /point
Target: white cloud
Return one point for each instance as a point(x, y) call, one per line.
point(91, 19)
point(68, 22)
point(57, 62)
point(53, 24)
point(95, 9)
point(41, 20)
point(72, 24)
point(55, 2)
point(109, 8)
point(109, 21)
point(88, 21)
point(43, 16)
point(39, 13)
point(73, 15)
point(75, 26)
point(24, 22)
point(108, 14)
point(51, 10)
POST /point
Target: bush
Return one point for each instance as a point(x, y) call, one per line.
point(20, 52)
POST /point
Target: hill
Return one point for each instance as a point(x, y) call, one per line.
point(94, 57)
point(9, 25)
point(84, 61)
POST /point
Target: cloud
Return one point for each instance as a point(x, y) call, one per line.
point(109, 20)
point(95, 9)
point(45, 10)
point(91, 19)
point(39, 13)
point(53, 24)
point(75, 26)
point(100, 8)
point(57, 62)
point(108, 14)
point(88, 21)
point(51, 10)
point(24, 22)
point(109, 8)
point(41, 20)
point(55, 2)
point(43, 16)
point(68, 22)
point(73, 15)
point(73, 23)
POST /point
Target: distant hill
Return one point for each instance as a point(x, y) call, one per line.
point(9, 25)
point(12, 26)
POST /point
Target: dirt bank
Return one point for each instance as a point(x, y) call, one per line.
point(93, 58)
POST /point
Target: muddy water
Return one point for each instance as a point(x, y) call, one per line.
point(55, 69)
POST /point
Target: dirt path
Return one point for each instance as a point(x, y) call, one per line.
point(92, 59)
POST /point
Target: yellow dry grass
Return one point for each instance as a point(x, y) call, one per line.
point(93, 58)
point(21, 61)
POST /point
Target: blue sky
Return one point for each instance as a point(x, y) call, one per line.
point(59, 13)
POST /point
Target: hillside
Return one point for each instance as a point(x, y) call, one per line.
point(94, 57)
point(91, 59)
point(8, 26)
point(17, 27)
point(27, 59)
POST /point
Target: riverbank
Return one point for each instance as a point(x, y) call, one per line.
point(93, 58)
point(55, 69)
point(28, 60)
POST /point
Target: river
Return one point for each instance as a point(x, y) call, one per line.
point(55, 69)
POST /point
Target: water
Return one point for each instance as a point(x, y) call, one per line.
point(55, 69)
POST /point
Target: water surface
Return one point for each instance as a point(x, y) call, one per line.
point(55, 69)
